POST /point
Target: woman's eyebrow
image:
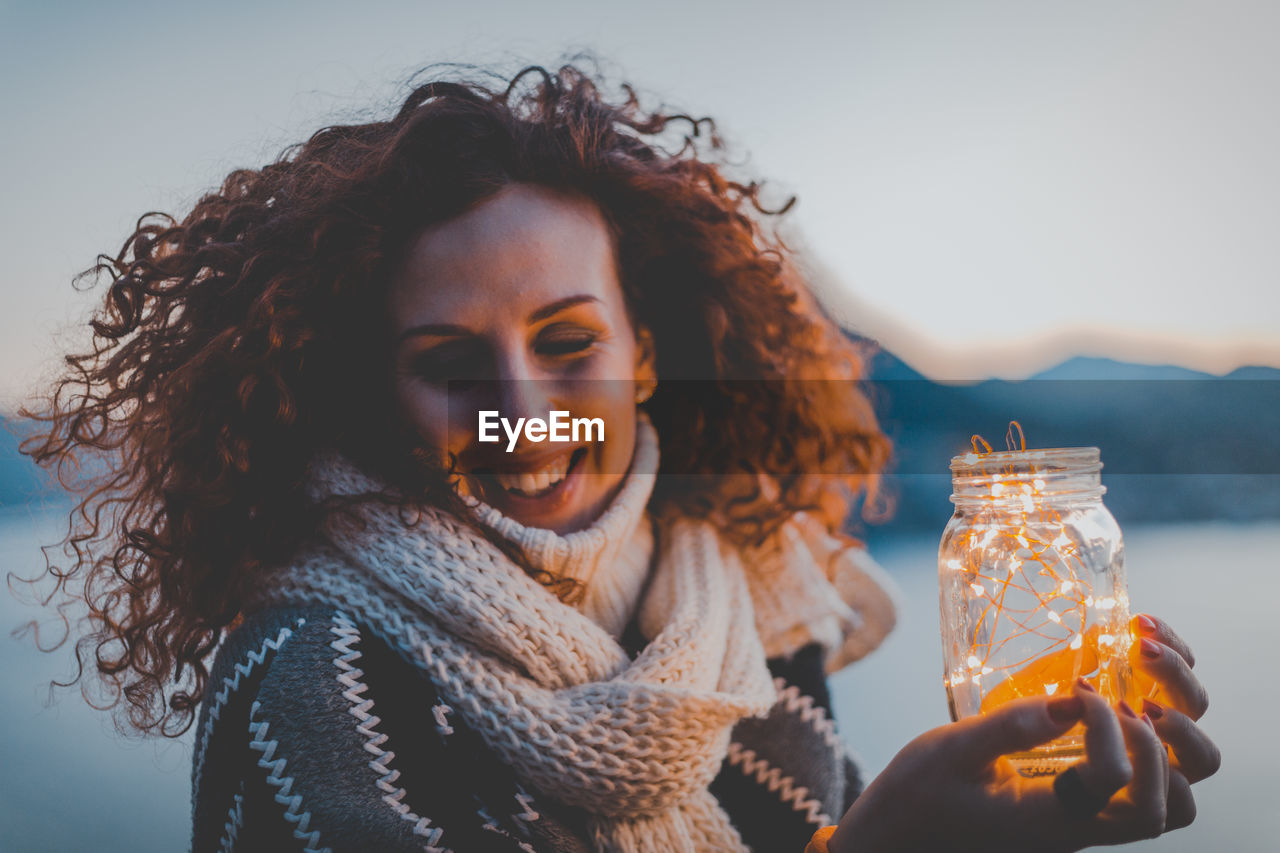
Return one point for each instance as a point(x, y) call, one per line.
point(559, 305)
point(448, 330)
point(443, 330)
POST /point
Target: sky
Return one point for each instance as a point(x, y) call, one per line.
point(986, 187)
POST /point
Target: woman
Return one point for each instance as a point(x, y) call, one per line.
point(401, 634)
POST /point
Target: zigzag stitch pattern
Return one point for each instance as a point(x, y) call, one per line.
point(441, 711)
point(284, 784)
point(492, 826)
point(801, 704)
point(235, 821)
point(527, 812)
point(231, 684)
point(783, 786)
point(349, 676)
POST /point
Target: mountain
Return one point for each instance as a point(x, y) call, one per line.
point(1176, 444)
point(1084, 367)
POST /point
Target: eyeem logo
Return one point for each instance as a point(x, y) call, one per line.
point(558, 427)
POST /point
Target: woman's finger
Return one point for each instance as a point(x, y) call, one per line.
point(1148, 791)
point(1106, 767)
point(1141, 809)
point(1181, 810)
point(1146, 625)
point(1013, 727)
point(1105, 770)
point(1166, 667)
point(1195, 754)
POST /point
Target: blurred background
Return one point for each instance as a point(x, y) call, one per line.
point(1063, 213)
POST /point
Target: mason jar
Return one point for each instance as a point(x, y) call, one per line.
point(1032, 588)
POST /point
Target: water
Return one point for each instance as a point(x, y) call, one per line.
point(69, 782)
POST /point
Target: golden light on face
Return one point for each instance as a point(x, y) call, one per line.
point(515, 306)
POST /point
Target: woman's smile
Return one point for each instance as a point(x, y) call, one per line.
point(539, 481)
point(532, 487)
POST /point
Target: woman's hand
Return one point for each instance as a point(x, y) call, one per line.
point(951, 789)
point(1162, 665)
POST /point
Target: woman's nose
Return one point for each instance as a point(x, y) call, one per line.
point(521, 391)
point(523, 398)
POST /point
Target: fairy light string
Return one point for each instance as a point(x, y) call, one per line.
point(1021, 562)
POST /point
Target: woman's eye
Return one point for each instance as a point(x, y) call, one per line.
point(440, 368)
point(565, 343)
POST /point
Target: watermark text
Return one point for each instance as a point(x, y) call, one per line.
point(558, 426)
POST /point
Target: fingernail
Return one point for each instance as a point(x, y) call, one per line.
point(1126, 710)
point(1152, 709)
point(1084, 685)
point(1147, 625)
point(1147, 720)
point(1149, 649)
point(1066, 709)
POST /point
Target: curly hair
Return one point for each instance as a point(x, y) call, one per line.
point(234, 342)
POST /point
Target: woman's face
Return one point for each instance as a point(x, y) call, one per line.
point(515, 307)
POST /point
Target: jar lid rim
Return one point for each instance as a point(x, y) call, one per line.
point(982, 462)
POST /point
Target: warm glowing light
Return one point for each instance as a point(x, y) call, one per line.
point(1029, 611)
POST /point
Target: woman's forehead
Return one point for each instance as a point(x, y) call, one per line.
point(524, 247)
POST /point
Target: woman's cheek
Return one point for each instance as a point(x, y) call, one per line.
point(428, 412)
point(613, 402)
point(620, 443)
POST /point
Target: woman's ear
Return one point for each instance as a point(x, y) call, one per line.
point(646, 367)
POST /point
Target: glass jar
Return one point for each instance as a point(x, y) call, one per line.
point(1032, 588)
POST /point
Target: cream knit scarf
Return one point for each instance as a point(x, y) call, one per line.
point(635, 743)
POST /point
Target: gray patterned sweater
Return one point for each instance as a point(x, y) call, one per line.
point(315, 735)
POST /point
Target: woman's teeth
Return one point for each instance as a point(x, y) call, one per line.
point(533, 483)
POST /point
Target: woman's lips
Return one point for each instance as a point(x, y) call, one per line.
point(535, 485)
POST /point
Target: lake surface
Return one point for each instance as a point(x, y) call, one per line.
point(69, 782)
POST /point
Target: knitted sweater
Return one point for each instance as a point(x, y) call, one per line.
point(316, 734)
point(312, 737)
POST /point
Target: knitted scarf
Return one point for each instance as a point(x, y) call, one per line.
point(634, 743)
